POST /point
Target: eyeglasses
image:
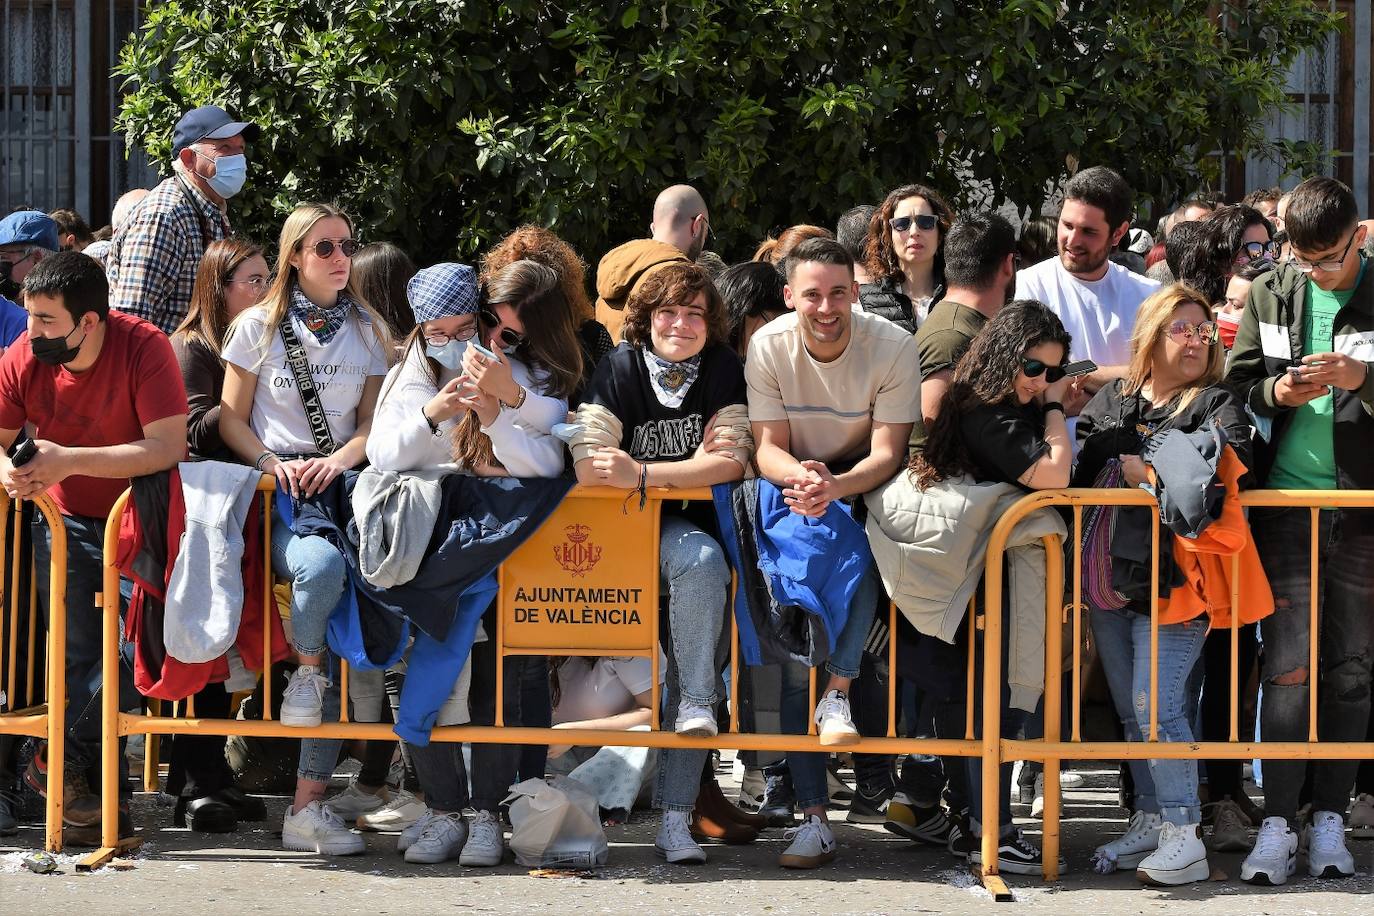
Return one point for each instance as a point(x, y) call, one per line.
point(255, 282)
point(1329, 265)
point(1253, 251)
point(923, 221)
point(1182, 332)
point(438, 339)
point(1034, 368)
point(19, 257)
point(508, 337)
point(324, 248)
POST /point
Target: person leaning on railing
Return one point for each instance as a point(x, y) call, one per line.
point(447, 408)
point(650, 405)
point(1301, 364)
point(103, 397)
point(306, 439)
point(1171, 388)
point(1000, 421)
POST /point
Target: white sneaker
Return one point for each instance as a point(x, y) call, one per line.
point(1180, 859)
point(1230, 828)
point(1068, 779)
point(486, 842)
point(441, 839)
point(303, 699)
point(403, 810)
point(1362, 817)
point(836, 727)
point(319, 830)
point(412, 833)
point(751, 788)
point(812, 843)
point(1132, 847)
point(1327, 856)
point(697, 721)
point(1275, 856)
point(674, 842)
point(353, 801)
point(1038, 803)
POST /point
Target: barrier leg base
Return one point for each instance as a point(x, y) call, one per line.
point(994, 885)
point(106, 853)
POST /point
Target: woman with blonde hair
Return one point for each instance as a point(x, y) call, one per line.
point(1172, 384)
point(302, 372)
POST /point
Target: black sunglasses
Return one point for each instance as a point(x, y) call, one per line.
point(923, 221)
point(508, 337)
point(1034, 368)
point(324, 248)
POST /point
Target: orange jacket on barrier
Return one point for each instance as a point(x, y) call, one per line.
point(1206, 563)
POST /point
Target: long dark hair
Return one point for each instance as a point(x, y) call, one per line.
point(550, 350)
point(984, 375)
point(382, 271)
point(207, 318)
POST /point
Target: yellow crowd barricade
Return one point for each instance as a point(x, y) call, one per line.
point(33, 708)
point(1052, 749)
point(598, 548)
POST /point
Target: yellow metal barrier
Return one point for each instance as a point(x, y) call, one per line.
point(1052, 749)
point(554, 558)
point(45, 719)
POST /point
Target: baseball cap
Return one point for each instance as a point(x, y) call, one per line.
point(29, 227)
point(209, 122)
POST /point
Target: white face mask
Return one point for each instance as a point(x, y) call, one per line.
point(450, 355)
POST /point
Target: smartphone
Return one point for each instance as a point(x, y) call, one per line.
point(1082, 367)
point(477, 345)
point(23, 454)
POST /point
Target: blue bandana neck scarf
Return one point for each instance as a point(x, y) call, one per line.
point(322, 323)
point(671, 381)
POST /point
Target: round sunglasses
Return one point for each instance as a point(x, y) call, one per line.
point(324, 248)
point(508, 337)
point(923, 221)
point(1183, 331)
point(1035, 368)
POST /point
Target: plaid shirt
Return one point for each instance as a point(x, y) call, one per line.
point(153, 257)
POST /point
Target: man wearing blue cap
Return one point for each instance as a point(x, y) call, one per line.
point(153, 258)
point(26, 237)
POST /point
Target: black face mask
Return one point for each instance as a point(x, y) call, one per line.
point(8, 288)
point(53, 351)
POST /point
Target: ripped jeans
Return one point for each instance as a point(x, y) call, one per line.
point(1345, 593)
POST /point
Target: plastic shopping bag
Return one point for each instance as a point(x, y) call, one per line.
point(556, 823)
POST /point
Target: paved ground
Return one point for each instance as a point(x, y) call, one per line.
point(247, 872)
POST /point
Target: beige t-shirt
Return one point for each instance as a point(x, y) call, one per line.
point(831, 406)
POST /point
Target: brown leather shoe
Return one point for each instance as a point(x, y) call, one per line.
point(721, 808)
point(704, 827)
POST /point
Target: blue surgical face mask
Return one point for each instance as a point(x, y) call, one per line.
point(230, 174)
point(450, 355)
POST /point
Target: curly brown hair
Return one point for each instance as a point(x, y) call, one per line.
point(882, 259)
point(535, 243)
point(675, 283)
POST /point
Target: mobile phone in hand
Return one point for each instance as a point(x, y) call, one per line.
point(23, 453)
point(1082, 367)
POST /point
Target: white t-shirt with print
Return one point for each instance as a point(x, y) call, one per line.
point(1099, 314)
point(596, 688)
point(339, 368)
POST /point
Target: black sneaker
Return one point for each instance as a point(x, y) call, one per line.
point(11, 805)
point(1016, 855)
point(870, 807)
point(961, 842)
point(931, 826)
point(779, 800)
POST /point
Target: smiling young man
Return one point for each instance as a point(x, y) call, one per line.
point(102, 396)
point(1302, 364)
point(833, 394)
point(153, 257)
point(1094, 298)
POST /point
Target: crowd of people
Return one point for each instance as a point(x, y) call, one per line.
point(866, 403)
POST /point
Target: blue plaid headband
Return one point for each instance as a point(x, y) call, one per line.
point(443, 291)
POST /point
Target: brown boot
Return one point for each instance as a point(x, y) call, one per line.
point(721, 807)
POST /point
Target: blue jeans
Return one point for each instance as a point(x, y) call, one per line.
point(318, 573)
point(85, 637)
point(808, 769)
point(1168, 787)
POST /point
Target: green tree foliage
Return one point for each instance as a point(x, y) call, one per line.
point(444, 123)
